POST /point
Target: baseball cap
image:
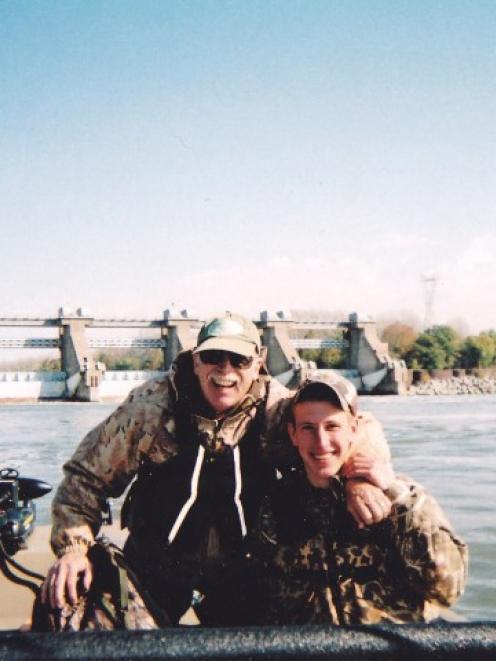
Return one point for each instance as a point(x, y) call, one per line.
point(231, 332)
point(344, 390)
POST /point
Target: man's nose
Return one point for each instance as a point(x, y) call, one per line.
point(225, 362)
point(321, 438)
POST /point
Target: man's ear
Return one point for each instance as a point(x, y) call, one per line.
point(196, 361)
point(291, 433)
point(353, 428)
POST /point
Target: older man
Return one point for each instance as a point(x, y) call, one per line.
point(328, 570)
point(198, 440)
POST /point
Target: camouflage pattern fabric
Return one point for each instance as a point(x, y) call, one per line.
point(116, 600)
point(149, 426)
point(405, 569)
point(145, 425)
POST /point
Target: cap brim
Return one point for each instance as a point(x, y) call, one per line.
point(234, 345)
point(345, 405)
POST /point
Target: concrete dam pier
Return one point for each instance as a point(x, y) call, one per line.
point(82, 378)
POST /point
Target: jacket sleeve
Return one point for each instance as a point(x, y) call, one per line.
point(101, 467)
point(434, 557)
point(370, 438)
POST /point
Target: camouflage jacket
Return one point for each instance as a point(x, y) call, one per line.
point(147, 425)
point(326, 570)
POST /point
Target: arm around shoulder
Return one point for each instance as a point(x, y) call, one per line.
point(370, 439)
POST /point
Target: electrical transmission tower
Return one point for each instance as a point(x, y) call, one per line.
point(429, 283)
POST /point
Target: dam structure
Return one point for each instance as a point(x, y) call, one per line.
point(368, 363)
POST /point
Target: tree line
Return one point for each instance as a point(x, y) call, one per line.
point(440, 347)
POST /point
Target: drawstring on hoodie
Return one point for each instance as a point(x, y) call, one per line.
point(237, 490)
point(193, 495)
point(195, 478)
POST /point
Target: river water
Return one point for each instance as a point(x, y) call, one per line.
point(446, 443)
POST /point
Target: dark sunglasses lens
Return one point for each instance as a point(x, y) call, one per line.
point(237, 360)
point(212, 356)
point(216, 357)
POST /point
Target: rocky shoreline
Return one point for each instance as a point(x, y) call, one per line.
point(465, 385)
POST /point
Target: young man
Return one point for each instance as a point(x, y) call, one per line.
point(198, 440)
point(326, 568)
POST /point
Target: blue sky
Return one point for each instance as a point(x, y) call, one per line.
point(249, 156)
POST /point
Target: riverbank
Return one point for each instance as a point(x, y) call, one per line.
point(465, 385)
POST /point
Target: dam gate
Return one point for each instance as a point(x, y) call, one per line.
point(367, 361)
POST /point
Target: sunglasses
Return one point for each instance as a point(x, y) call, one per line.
point(217, 356)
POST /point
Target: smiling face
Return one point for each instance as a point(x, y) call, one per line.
point(322, 432)
point(222, 384)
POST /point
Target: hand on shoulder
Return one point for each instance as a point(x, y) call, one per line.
point(375, 470)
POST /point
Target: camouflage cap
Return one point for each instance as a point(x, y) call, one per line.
point(344, 390)
point(231, 332)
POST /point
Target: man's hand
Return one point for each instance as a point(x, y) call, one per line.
point(60, 585)
point(366, 503)
point(376, 471)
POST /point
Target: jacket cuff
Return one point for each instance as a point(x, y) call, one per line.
point(77, 545)
point(398, 492)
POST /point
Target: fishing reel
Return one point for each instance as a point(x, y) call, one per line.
point(17, 510)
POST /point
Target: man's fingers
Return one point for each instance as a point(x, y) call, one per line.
point(377, 503)
point(357, 472)
point(361, 515)
point(58, 586)
point(367, 504)
point(51, 586)
point(356, 464)
point(61, 582)
point(359, 458)
point(44, 589)
point(377, 511)
point(71, 585)
point(88, 577)
point(367, 513)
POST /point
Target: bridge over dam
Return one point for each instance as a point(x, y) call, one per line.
point(76, 335)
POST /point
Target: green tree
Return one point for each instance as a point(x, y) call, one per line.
point(436, 348)
point(479, 351)
point(449, 341)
